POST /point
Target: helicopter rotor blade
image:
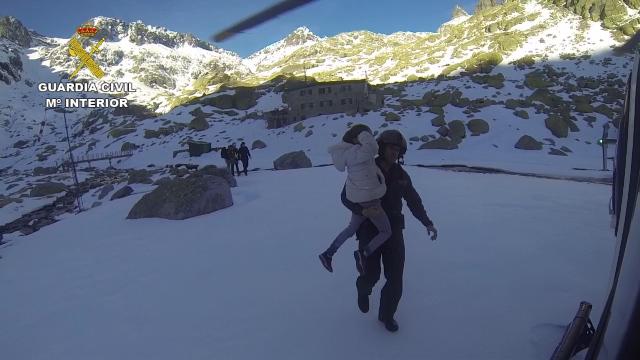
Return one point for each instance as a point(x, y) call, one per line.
point(257, 19)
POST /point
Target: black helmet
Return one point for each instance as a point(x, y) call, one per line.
point(393, 137)
point(352, 134)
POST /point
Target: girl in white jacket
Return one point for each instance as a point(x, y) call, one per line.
point(365, 185)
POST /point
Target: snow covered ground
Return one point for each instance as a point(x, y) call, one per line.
point(514, 258)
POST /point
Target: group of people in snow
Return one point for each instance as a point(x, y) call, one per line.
point(373, 192)
point(232, 155)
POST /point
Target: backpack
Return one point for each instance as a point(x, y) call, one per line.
point(223, 153)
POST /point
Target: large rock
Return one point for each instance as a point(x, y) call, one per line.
point(179, 199)
point(443, 131)
point(478, 126)
point(21, 144)
point(199, 124)
point(162, 180)
point(139, 177)
point(536, 80)
point(457, 129)
point(391, 116)
point(604, 110)
point(558, 127)
point(546, 97)
point(258, 144)
point(438, 121)
point(105, 190)
point(521, 114)
point(516, 103)
point(527, 142)
point(128, 146)
point(48, 188)
point(292, 160)
point(39, 171)
point(212, 170)
point(439, 143)
point(122, 193)
point(554, 151)
point(495, 81)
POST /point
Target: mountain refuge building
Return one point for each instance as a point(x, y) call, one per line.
point(350, 96)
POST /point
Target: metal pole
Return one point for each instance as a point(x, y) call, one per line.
point(605, 135)
point(73, 164)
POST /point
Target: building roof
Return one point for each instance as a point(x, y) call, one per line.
point(325, 83)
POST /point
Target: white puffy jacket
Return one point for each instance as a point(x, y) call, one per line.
point(365, 181)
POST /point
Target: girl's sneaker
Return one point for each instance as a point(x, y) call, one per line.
point(325, 259)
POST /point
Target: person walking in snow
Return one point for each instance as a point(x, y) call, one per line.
point(232, 153)
point(392, 145)
point(224, 153)
point(365, 186)
point(244, 155)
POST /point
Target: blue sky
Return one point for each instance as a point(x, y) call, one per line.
point(204, 18)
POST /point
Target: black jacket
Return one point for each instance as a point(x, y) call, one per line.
point(399, 187)
point(243, 153)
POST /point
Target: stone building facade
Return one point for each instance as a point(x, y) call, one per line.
point(353, 96)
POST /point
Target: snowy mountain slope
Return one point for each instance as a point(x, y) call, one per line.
point(245, 282)
point(99, 132)
point(500, 32)
point(170, 68)
point(261, 61)
point(160, 63)
point(548, 76)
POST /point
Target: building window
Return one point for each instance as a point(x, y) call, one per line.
point(329, 90)
point(321, 103)
point(349, 87)
point(301, 106)
point(321, 91)
point(310, 105)
point(309, 91)
point(343, 101)
point(343, 88)
point(330, 103)
point(301, 92)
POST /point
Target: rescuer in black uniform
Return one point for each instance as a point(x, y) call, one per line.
point(392, 146)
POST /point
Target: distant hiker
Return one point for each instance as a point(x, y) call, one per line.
point(365, 186)
point(232, 153)
point(391, 146)
point(224, 153)
point(244, 155)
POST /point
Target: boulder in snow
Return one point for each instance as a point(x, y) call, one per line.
point(292, 160)
point(258, 144)
point(457, 129)
point(557, 127)
point(39, 171)
point(47, 188)
point(179, 199)
point(438, 121)
point(554, 151)
point(122, 193)
point(478, 126)
point(139, 177)
point(527, 142)
point(219, 172)
point(440, 143)
point(105, 190)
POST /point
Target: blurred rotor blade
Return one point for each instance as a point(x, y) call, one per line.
point(257, 19)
